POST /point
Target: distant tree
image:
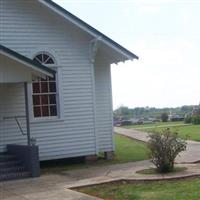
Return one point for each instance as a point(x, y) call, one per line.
point(186, 109)
point(196, 115)
point(164, 117)
point(122, 112)
point(196, 110)
point(188, 119)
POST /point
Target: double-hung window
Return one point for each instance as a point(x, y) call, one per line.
point(44, 91)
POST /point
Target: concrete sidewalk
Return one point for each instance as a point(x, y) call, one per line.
point(47, 187)
point(58, 187)
point(126, 172)
point(191, 155)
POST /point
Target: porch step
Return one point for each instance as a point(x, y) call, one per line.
point(6, 164)
point(6, 157)
point(11, 168)
point(13, 176)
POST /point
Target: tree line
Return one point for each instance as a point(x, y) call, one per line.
point(124, 112)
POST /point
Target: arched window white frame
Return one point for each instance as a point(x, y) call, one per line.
point(44, 90)
point(44, 58)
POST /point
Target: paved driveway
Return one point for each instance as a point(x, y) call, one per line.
point(191, 155)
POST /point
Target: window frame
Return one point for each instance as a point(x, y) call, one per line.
point(59, 115)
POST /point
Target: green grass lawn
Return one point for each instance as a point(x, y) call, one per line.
point(126, 150)
point(189, 132)
point(172, 190)
point(153, 125)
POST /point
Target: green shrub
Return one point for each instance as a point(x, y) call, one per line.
point(196, 119)
point(164, 148)
point(164, 117)
point(188, 119)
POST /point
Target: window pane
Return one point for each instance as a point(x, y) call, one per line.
point(53, 110)
point(36, 60)
point(36, 100)
point(39, 57)
point(49, 61)
point(52, 98)
point(45, 111)
point(45, 57)
point(52, 87)
point(37, 111)
point(44, 90)
point(45, 99)
point(36, 88)
point(44, 87)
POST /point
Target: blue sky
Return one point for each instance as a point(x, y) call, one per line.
point(165, 34)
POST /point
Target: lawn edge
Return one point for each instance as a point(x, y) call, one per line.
point(136, 181)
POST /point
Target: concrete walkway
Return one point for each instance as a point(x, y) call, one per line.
point(126, 172)
point(48, 187)
point(191, 155)
point(58, 187)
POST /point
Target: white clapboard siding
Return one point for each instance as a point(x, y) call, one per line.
point(9, 106)
point(103, 105)
point(27, 27)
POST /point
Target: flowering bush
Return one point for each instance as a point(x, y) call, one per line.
point(164, 148)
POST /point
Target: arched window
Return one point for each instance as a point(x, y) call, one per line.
point(44, 59)
point(44, 90)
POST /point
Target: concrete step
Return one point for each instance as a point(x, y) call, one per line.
point(6, 157)
point(14, 176)
point(12, 169)
point(8, 164)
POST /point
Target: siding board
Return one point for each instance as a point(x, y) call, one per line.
point(27, 28)
point(103, 105)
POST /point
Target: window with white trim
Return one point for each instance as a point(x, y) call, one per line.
point(44, 91)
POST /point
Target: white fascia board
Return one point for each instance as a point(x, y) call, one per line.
point(38, 70)
point(85, 29)
point(116, 49)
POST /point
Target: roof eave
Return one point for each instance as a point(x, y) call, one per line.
point(89, 29)
point(24, 60)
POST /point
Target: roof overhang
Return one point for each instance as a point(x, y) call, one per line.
point(15, 67)
point(89, 29)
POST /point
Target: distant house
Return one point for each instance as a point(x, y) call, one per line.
point(55, 86)
point(196, 110)
point(175, 117)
